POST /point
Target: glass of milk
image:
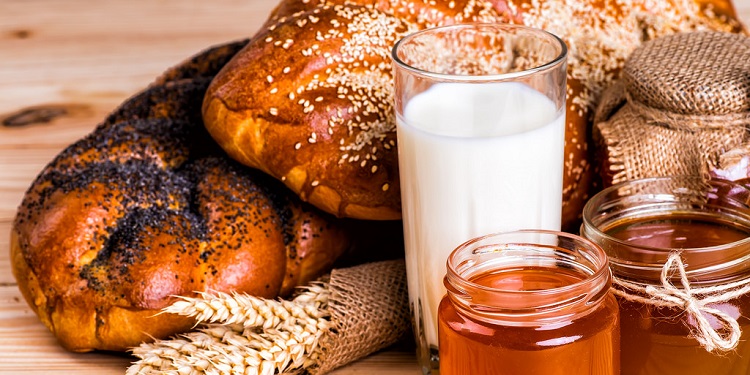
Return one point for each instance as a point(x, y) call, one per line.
point(480, 112)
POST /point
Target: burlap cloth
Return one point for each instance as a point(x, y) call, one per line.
point(683, 101)
point(369, 310)
point(336, 320)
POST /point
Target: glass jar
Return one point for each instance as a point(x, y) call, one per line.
point(679, 249)
point(528, 302)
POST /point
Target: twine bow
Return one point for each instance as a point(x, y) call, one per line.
point(694, 301)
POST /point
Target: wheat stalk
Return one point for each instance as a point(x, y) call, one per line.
point(256, 335)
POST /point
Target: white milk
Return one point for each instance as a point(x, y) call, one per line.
point(474, 159)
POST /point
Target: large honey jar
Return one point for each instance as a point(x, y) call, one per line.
point(679, 249)
point(528, 302)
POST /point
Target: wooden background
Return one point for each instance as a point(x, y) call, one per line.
point(64, 64)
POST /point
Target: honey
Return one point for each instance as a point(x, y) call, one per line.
point(678, 232)
point(642, 223)
point(524, 305)
point(657, 341)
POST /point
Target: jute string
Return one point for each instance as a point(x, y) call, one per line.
point(691, 122)
point(694, 301)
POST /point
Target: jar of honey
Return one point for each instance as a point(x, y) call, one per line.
point(679, 249)
point(528, 302)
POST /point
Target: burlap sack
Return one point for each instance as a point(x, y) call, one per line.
point(342, 317)
point(683, 101)
point(369, 308)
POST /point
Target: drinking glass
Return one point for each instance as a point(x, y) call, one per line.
point(480, 111)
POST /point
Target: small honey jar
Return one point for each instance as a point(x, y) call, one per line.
point(528, 302)
point(679, 249)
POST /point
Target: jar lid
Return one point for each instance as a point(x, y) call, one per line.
point(703, 73)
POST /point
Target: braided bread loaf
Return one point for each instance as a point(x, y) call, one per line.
point(308, 100)
point(148, 207)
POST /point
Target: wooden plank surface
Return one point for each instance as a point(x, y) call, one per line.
point(82, 59)
point(78, 60)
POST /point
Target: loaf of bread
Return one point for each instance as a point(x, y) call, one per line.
point(148, 207)
point(309, 99)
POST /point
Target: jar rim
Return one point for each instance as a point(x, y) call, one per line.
point(591, 205)
point(552, 63)
point(549, 304)
point(594, 221)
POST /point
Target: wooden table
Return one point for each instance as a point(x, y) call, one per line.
point(74, 61)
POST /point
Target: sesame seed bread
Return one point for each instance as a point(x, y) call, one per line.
point(148, 207)
point(308, 100)
point(319, 122)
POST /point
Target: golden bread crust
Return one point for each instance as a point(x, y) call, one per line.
point(294, 120)
point(82, 326)
point(147, 208)
point(250, 112)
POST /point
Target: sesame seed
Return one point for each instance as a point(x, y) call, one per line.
point(297, 145)
point(315, 183)
point(286, 70)
point(374, 169)
point(274, 90)
point(269, 79)
point(273, 111)
point(386, 187)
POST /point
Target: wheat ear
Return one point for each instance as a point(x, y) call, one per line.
point(253, 311)
point(289, 337)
